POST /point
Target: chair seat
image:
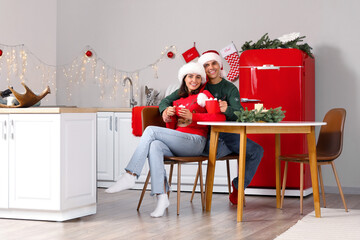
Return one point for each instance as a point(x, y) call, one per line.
point(199, 158)
point(304, 158)
point(186, 159)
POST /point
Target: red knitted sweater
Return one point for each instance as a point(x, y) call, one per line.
point(199, 114)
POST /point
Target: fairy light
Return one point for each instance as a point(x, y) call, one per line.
point(83, 62)
point(9, 62)
point(23, 57)
point(155, 67)
point(136, 84)
point(15, 59)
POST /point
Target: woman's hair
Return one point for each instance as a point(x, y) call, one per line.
point(184, 91)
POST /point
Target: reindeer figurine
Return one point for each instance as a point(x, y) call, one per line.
point(151, 96)
point(27, 99)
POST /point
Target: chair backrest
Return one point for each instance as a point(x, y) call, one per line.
point(151, 117)
point(330, 140)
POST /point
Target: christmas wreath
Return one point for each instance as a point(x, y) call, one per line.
point(292, 40)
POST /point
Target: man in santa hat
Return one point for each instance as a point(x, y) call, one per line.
point(229, 101)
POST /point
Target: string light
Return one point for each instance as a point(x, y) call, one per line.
point(82, 68)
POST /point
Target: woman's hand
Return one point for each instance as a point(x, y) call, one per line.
point(185, 113)
point(223, 106)
point(168, 113)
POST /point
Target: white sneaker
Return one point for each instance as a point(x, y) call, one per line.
point(126, 181)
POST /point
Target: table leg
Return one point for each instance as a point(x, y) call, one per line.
point(278, 170)
point(313, 170)
point(214, 137)
point(242, 158)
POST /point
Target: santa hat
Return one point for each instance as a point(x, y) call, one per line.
point(212, 55)
point(192, 67)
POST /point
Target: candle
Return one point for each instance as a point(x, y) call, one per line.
point(10, 101)
point(258, 106)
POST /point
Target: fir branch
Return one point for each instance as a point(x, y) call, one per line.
point(270, 115)
point(266, 43)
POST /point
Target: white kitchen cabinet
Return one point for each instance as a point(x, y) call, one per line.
point(105, 146)
point(48, 166)
point(115, 145)
point(4, 162)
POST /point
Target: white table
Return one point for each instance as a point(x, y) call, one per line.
point(243, 129)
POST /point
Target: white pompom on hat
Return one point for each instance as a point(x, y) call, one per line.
point(212, 55)
point(192, 67)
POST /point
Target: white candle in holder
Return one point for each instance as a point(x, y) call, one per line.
point(258, 106)
point(10, 101)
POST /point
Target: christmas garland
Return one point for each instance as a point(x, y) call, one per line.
point(269, 115)
point(287, 41)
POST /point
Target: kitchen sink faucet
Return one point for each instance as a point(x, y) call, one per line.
point(132, 100)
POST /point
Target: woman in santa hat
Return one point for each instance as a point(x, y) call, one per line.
point(182, 137)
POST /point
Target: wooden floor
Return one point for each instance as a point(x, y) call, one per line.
point(117, 218)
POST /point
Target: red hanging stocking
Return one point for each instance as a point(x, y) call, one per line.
point(230, 54)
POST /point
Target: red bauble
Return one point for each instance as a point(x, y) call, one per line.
point(170, 54)
point(1, 52)
point(89, 53)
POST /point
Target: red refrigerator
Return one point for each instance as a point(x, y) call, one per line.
point(286, 78)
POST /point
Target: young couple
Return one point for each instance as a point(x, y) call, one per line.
point(185, 134)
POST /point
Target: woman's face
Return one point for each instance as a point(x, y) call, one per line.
point(192, 81)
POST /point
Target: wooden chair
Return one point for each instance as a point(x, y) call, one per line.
point(151, 117)
point(328, 148)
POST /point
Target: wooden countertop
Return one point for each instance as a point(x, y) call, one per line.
point(114, 109)
point(62, 109)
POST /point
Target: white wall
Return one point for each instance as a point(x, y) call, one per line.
point(130, 34)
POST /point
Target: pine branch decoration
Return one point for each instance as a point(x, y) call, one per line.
point(271, 115)
point(266, 43)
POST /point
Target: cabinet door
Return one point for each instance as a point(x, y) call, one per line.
point(105, 146)
point(125, 143)
point(4, 183)
point(78, 159)
point(34, 161)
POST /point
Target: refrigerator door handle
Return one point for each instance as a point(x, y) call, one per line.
point(249, 100)
point(267, 66)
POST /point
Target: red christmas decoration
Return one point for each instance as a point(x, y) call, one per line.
point(89, 53)
point(191, 54)
point(1, 52)
point(170, 54)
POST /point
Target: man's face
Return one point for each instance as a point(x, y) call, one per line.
point(212, 69)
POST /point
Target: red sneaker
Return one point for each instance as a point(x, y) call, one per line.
point(234, 195)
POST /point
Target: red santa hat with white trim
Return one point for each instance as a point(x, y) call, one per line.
point(212, 55)
point(192, 67)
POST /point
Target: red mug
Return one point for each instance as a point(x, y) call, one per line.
point(177, 109)
point(212, 106)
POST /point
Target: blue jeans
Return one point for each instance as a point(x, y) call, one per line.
point(229, 143)
point(157, 142)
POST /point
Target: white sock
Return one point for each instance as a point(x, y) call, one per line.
point(162, 204)
point(126, 181)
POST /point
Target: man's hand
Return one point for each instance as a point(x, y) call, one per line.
point(223, 106)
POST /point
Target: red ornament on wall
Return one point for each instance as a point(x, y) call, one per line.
point(1, 52)
point(89, 53)
point(170, 54)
